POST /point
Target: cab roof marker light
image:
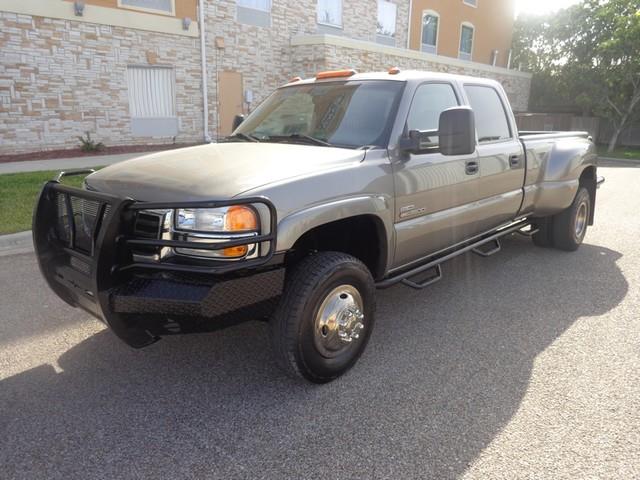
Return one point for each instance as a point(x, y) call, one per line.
point(394, 71)
point(336, 74)
point(295, 79)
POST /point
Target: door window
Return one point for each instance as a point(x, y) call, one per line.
point(491, 118)
point(429, 101)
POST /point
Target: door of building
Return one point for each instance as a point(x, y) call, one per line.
point(230, 100)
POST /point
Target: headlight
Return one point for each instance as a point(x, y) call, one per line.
point(237, 219)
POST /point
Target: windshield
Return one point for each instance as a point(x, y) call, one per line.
point(347, 114)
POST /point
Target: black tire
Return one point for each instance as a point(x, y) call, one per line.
point(544, 236)
point(295, 337)
point(570, 225)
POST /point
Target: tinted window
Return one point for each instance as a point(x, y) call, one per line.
point(491, 118)
point(428, 103)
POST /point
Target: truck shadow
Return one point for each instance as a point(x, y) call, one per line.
point(445, 371)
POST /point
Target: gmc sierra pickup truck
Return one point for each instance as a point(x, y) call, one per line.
point(334, 186)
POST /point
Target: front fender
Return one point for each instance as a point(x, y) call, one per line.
point(292, 227)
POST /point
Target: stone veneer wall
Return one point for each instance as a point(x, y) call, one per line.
point(263, 54)
point(319, 53)
point(60, 78)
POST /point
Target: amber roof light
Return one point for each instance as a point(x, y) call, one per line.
point(335, 74)
point(394, 71)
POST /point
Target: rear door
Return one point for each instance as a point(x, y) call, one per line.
point(433, 191)
point(500, 157)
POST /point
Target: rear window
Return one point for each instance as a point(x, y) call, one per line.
point(491, 117)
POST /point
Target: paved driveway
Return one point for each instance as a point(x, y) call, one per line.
point(522, 365)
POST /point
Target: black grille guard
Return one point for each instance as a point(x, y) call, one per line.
point(84, 239)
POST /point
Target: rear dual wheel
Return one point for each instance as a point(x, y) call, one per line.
point(325, 317)
point(567, 229)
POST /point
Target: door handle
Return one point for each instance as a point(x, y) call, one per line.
point(471, 168)
point(514, 160)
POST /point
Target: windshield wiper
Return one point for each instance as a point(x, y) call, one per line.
point(242, 136)
point(300, 136)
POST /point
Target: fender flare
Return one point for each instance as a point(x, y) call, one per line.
point(292, 227)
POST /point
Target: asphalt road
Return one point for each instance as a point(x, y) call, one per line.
point(522, 365)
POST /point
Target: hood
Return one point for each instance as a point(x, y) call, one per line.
point(215, 171)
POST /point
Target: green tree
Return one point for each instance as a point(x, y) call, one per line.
point(589, 55)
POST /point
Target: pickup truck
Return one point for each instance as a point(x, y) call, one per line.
point(334, 186)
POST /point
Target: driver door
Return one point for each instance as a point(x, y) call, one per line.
point(433, 191)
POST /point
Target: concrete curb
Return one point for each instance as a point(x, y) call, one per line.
point(16, 243)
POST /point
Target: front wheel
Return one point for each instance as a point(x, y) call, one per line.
point(325, 317)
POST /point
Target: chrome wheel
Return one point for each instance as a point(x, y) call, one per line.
point(581, 220)
point(339, 322)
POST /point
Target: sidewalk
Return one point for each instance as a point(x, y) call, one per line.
point(62, 163)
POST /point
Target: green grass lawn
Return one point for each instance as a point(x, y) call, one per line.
point(628, 153)
point(18, 192)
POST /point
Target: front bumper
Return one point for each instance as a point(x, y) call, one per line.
point(85, 244)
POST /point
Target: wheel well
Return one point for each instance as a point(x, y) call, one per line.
point(588, 180)
point(362, 236)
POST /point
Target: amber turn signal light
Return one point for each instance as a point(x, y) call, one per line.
point(335, 74)
point(234, 252)
point(240, 219)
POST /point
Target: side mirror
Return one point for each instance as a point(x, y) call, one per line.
point(457, 131)
point(237, 120)
point(420, 141)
